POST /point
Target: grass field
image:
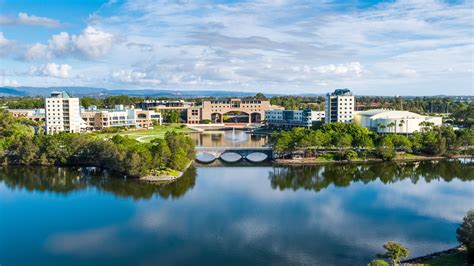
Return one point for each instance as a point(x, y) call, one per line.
point(146, 135)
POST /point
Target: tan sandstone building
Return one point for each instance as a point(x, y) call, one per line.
point(231, 110)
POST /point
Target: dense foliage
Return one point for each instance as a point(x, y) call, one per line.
point(343, 137)
point(19, 145)
point(465, 234)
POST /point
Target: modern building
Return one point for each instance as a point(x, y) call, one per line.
point(292, 118)
point(340, 106)
point(392, 121)
point(63, 114)
point(98, 119)
point(231, 110)
point(37, 115)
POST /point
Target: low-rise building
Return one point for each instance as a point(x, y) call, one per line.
point(97, 119)
point(292, 118)
point(37, 115)
point(392, 121)
point(231, 110)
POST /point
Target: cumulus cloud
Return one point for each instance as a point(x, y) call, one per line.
point(8, 82)
point(6, 45)
point(52, 70)
point(29, 20)
point(133, 76)
point(93, 42)
point(352, 69)
point(90, 43)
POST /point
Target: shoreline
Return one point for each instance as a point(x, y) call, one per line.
point(313, 161)
point(425, 258)
point(164, 178)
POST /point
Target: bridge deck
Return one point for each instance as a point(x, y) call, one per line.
point(233, 148)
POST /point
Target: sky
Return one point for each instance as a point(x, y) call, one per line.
point(402, 47)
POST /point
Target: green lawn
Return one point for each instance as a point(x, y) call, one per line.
point(457, 259)
point(146, 135)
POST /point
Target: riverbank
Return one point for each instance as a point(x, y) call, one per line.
point(453, 256)
point(167, 175)
point(399, 158)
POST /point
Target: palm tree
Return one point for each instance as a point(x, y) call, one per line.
point(400, 125)
point(392, 124)
point(381, 126)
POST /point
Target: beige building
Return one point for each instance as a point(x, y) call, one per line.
point(37, 115)
point(63, 114)
point(232, 110)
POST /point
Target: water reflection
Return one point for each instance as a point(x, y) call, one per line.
point(318, 177)
point(228, 138)
point(67, 180)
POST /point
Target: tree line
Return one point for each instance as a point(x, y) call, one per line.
point(20, 145)
point(347, 139)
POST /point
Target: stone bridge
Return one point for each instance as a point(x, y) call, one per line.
point(233, 154)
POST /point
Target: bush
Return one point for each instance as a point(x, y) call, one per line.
point(465, 234)
point(350, 155)
point(326, 157)
point(395, 252)
point(378, 263)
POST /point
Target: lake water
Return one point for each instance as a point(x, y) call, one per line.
point(245, 215)
point(228, 138)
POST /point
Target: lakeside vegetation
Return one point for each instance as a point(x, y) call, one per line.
point(351, 141)
point(20, 145)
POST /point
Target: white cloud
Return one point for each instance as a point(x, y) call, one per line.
point(132, 76)
point(29, 20)
point(6, 45)
point(350, 69)
point(90, 43)
point(305, 46)
point(8, 82)
point(52, 70)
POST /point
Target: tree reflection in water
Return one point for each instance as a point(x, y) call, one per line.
point(66, 180)
point(318, 177)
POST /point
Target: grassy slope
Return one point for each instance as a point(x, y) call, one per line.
point(457, 259)
point(145, 135)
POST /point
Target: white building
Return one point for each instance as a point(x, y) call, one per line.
point(392, 121)
point(340, 106)
point(292, 118)
point(97, 119)
point(63, 114)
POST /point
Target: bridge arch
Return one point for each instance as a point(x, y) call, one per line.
point(257, 157)
point(236, 117)
point(231, 157)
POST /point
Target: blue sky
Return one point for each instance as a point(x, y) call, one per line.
point(405, 47)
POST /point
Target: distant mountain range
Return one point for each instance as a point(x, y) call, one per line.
point(101, 92)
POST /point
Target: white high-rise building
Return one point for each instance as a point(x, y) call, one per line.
point(339, 106)
point(63, 114)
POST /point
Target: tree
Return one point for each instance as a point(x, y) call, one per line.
point(385, 149)
point(395, 252)
point(172, 117)
point(465, 234)
point(378, 263)
point(392, 125)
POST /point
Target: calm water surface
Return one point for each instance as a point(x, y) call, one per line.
point(332, 215)
point(228, 138)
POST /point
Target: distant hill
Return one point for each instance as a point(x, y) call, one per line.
point(100, 92)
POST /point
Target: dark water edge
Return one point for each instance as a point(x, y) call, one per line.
point(232, 214)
